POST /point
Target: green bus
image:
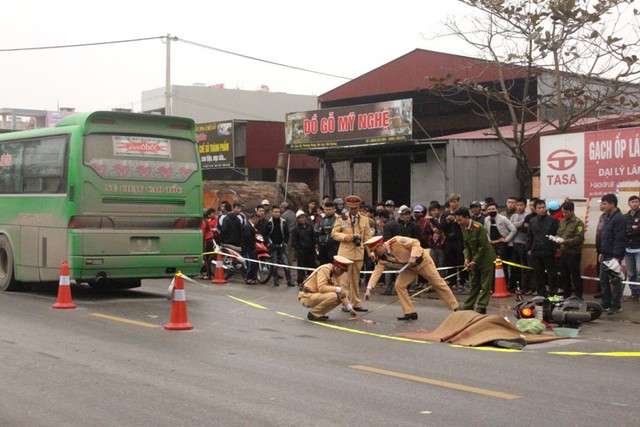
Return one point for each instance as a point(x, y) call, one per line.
point(116, 195)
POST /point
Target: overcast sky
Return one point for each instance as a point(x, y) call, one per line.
point(345, 38)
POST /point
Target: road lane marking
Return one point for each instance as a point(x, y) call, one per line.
point(356, 331)
point(601, 354)
point(123, 320)
point(438, 383)
point(481, 348)
point(496, 349)
point(252, 304)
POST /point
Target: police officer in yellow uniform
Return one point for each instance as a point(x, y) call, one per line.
point(398, 252)
point(351, 230)
point(320, 292)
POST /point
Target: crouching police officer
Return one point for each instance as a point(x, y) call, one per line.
point(399, 251)
point(320, 292)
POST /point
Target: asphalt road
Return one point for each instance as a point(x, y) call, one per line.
point(253, 359)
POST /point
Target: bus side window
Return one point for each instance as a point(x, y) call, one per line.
point(32, 184)
point(43, 165)
point(11, 167)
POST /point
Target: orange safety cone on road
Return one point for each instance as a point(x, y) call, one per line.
point(64, 289)
point(178, 320)
point(218, 277)
point(500, 282)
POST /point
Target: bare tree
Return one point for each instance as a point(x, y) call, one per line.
point(556, 61)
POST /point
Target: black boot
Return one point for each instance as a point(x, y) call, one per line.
point(315, 318)
point(409, 316)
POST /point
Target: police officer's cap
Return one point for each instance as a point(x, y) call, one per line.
point(353, 201)
point(342, 262)
point(373, 242)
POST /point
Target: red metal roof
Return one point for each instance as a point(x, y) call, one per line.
point(543, 128)
point(410, 72)
point(536, 129)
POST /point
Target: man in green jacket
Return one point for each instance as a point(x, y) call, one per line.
point(571, 238)
point(479, 258)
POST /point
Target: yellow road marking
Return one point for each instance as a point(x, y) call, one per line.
point(496, 349)
point(252, 304)
point(395, 338)
point(357, 331)
point(438, 383)
point(604, 354)
point(123, 320)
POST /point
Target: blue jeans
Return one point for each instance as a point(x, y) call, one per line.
point(279, 256)
point(632, 261)
point(611, 289)
point(252, 266)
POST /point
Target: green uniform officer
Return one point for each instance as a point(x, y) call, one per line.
point(479, 258)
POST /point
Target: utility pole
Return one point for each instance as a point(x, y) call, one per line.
point(167, 86)
point(279, 190)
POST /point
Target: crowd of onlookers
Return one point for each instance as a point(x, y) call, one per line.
point(540, 240)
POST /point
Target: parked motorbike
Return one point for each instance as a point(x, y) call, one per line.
point(571, 311)
point(234, 263)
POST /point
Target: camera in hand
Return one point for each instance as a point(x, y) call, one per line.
point(357, 240)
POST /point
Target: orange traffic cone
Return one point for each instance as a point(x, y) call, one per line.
point(64, 289)
point(178, 320)
point(218, 277)
point(500, 283)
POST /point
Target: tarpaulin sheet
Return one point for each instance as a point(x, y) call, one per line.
point(474, 329)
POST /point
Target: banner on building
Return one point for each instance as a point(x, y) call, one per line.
point(368, 124)
point(215, 144)
point(589, 164)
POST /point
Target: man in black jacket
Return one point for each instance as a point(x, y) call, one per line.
point(248, 245)
point(542, 250)
point(454, 244)
point(304, 245)
point(612, 250)
point(408, 226)
point(231, 231)
point(327, 247)
point(390, 229)
point(277, 236)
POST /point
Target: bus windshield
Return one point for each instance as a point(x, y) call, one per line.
point(140, 157)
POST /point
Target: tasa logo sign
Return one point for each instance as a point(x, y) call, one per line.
point(562, 166)
point(562, 160)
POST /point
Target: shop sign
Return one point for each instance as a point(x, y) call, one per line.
point(358, 125)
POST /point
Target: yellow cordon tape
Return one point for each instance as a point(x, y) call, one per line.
point(293, 267)
point(394, 338)
point(516, 265)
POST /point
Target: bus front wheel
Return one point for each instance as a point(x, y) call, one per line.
point(7, 279)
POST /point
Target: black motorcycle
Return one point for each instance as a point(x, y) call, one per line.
point(571, 311)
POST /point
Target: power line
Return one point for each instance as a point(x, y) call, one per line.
point(17, 49)
point(22, 49)
point(262, 60)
